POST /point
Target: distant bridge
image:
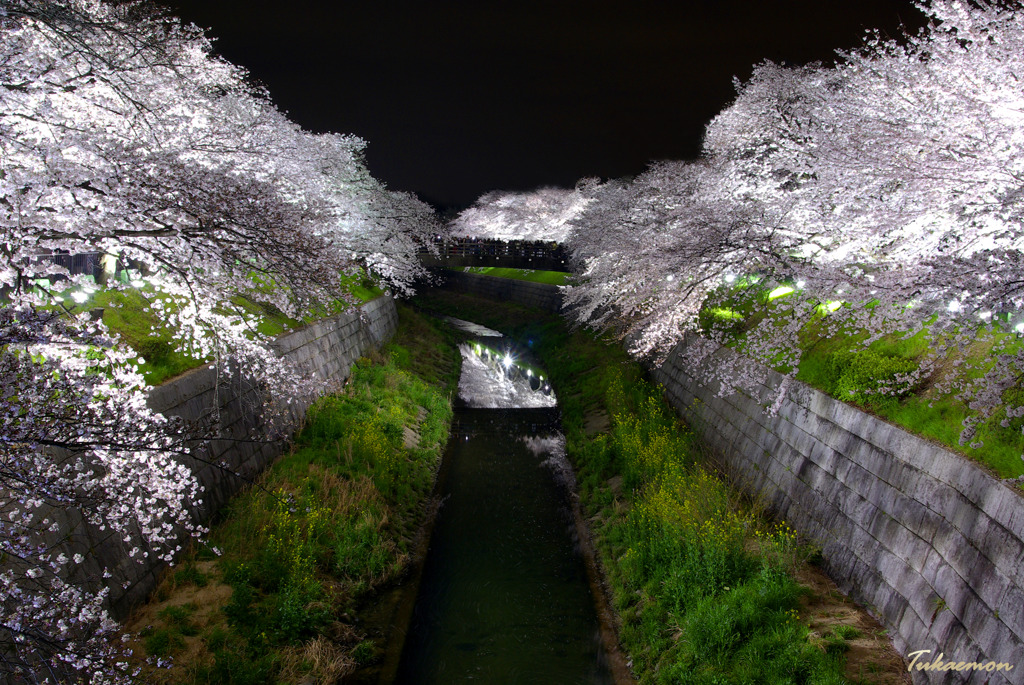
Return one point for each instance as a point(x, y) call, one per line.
point(515, 254)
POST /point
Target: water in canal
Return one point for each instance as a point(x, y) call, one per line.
point(504, 595)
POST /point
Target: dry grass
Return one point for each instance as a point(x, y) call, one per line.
point(870, 658)
point(320, 661)
point(203, 603)
point(344, 496)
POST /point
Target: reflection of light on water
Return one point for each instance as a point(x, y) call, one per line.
point(472, 328)
point(553, 447)
point(548, 445)
point(490, 383)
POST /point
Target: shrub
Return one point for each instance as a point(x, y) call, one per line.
point(364, 652)
point(846, 632)
point(867, 377)
point(179, 618)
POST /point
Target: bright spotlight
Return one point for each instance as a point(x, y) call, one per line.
point(79, 296)
point(831, 305)
point(507, 361)
point(730, 278)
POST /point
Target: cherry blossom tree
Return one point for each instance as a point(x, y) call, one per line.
point(902, 167)
point(80, 449)
point(652, 249)
point(890, 181)
point(542, 214)
point(121, 133)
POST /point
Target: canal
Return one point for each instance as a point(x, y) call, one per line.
point(504, 595)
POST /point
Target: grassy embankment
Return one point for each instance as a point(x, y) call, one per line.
point(532, 275)
point(128, 313)
point(840, 366)
point(326, 525)
point(703, 584)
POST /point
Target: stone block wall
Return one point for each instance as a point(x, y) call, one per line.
point(924, 538)
point(327, 348)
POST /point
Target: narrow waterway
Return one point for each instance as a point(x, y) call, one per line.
point(504, 595)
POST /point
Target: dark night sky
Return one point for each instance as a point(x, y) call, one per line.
point(457, 99)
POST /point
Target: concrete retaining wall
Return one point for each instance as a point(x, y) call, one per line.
point(924, 538)
point(327, 348)
point(540, 295)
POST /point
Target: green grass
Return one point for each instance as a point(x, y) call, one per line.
point(703, 587)
point(127, 313)
point(837, 363)
point(330, 522)
point(534, 276)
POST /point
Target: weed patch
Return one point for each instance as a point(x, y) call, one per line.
point(327, 524)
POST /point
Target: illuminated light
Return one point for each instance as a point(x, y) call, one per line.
point(669, 277)
point(507, 361)
point(138, 283)
point(722, 313)
point(540, 377)
point(730, 278)
point(985, 315)
point(953, 306)
point(79, 296)
point(529, 373)
point(801, 284)
point(781, 291)
point(839, 292)
point(830, 306)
